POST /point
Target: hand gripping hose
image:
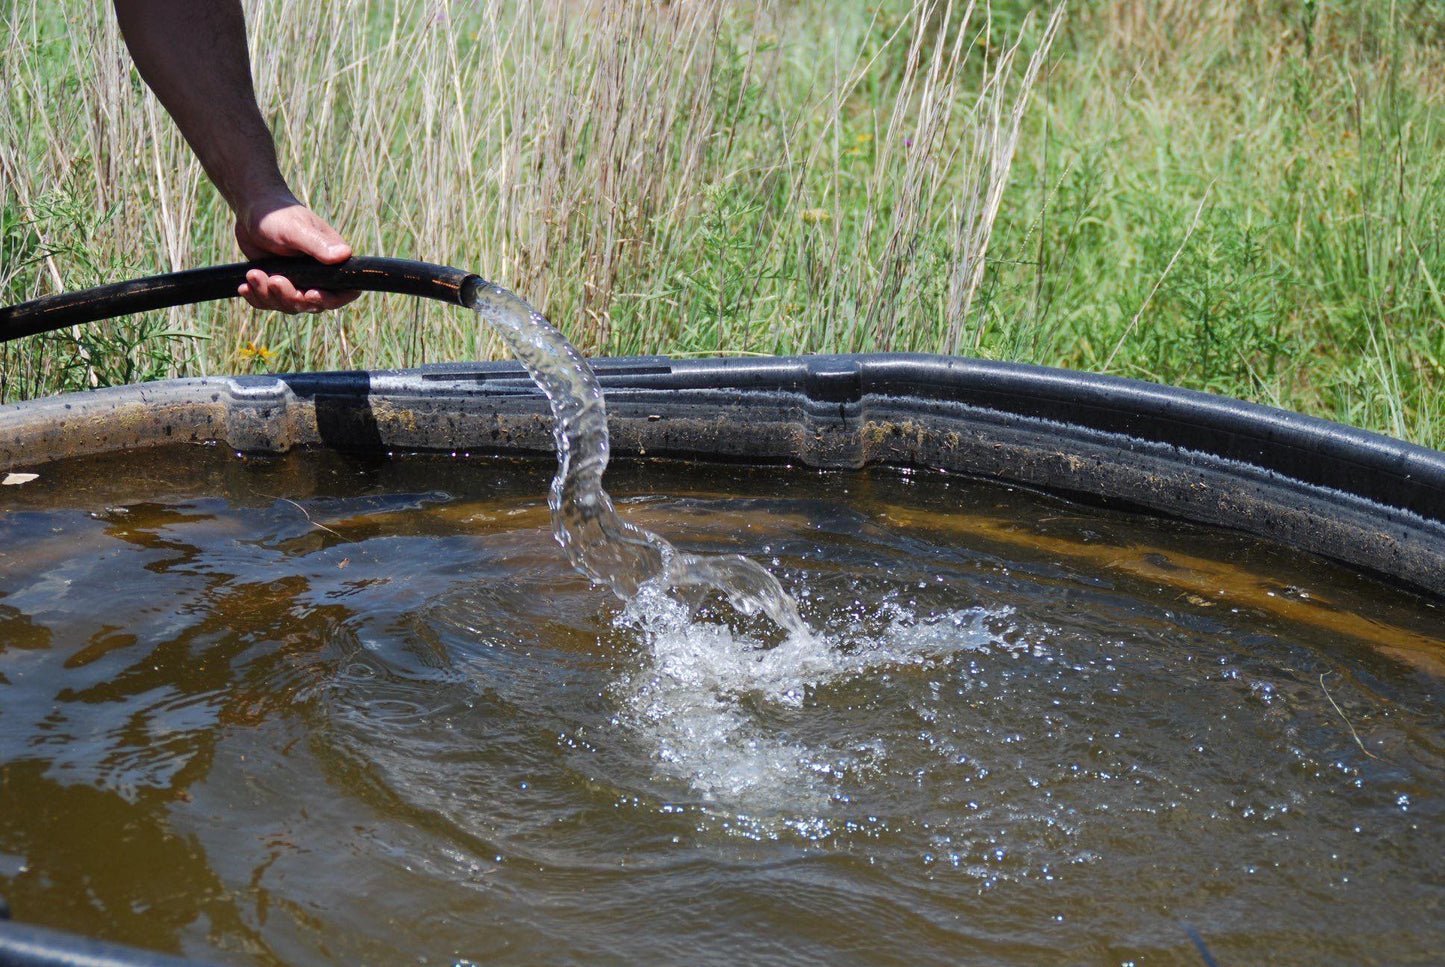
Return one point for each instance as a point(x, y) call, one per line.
point(220, 282)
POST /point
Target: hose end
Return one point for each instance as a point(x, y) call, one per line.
point(467, 291)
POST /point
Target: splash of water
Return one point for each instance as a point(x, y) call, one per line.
point(706, 699)
point(598, 542)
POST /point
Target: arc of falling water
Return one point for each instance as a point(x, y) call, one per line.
point(597, 541)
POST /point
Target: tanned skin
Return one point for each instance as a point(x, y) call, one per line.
point(193, 54)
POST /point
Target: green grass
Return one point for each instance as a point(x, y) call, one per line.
point(1248, 200)
point(1313, 134)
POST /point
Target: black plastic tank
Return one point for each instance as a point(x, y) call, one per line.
point(1372, 502)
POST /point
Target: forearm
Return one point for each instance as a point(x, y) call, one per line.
point(193, 54)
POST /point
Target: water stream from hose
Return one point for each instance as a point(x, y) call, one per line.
point(598, 542)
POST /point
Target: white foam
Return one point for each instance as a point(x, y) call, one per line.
point(703, 695)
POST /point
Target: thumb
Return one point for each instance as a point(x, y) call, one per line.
point(329, 246)
point(302, 231)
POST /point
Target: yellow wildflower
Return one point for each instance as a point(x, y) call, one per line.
point(256, 353)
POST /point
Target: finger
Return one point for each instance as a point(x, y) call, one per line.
point(266, 294)
point(285, 297)
point(324, 301)
point(312, 300)
point(279, 294)
point(256, 289)
point(332, 250)
point(324, 243)
point(301, 230)
point(257, 282)
point(247, 293)
point(335, 300)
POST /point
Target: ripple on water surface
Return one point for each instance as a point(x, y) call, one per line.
point(318, 710)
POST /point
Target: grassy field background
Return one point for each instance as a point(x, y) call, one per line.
point(1243, 197)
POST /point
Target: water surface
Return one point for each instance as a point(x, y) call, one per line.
point(322, 710)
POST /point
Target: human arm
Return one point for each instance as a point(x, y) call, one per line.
point(192, 54)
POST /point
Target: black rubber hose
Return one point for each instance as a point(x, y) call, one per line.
point(220, 282)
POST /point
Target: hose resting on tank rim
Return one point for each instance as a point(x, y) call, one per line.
point(370, 274)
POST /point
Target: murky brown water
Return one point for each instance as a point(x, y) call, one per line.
point(320, 710)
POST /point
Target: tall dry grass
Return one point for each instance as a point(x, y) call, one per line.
point(706, 176)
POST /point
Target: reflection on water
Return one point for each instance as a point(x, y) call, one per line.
point(314, 710)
